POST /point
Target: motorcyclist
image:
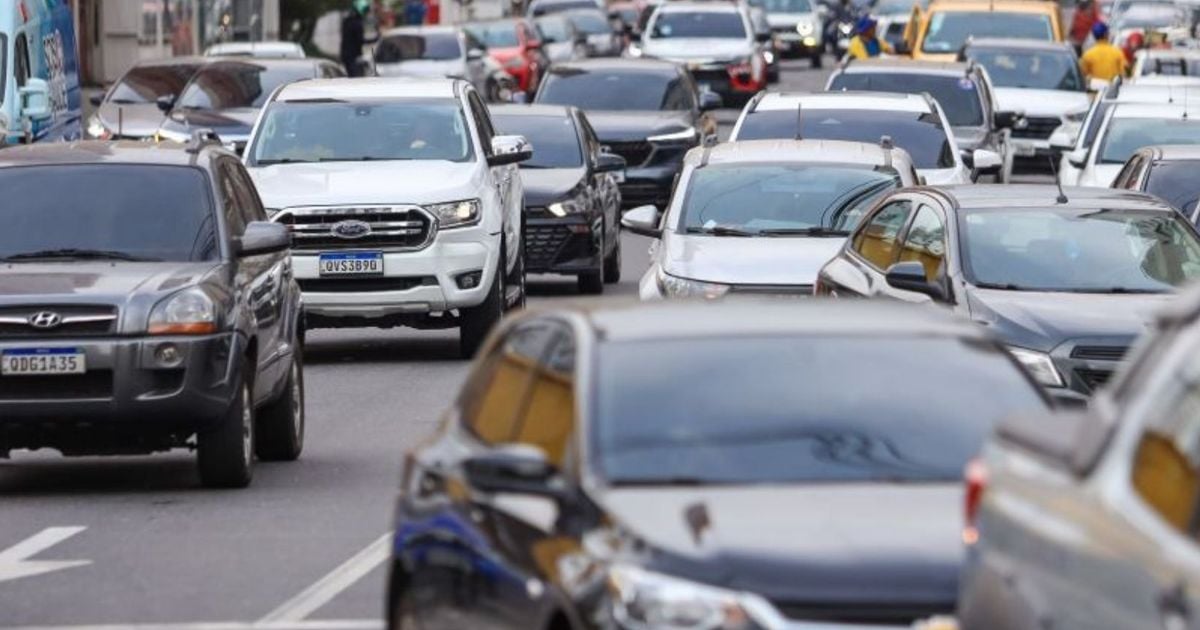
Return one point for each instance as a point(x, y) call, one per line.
point(842, 13)
point(354, 37)
point(866, 42)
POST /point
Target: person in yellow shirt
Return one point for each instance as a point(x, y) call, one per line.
point(1103, 60)
point(865, 43)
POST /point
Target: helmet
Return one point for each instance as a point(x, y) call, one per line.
point(865, 23)
point(1099, 30)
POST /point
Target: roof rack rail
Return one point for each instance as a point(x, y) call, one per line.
point(202, 138)
point(885, 143)
point(756, 99)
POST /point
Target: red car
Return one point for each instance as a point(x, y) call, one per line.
point(514, 44)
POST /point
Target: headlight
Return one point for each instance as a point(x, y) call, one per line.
point(1039, 365)
point(188, 312)
point(685, 135)
point(644, 600)
point(565, 207)
point(804, 28)
point(455, 213)
point(96, 129)
point(1076, 116)
point(676, 287)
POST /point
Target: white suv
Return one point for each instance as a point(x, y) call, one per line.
point(404, 205)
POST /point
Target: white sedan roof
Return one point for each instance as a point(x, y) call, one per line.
point(817, 151)
point(883, 101)
point(368, 88)
point(1159, 110)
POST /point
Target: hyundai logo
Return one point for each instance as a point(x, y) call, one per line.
point(45, 320)
point(350, 229)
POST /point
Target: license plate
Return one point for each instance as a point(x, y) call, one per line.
point(42, 361)
point(350, 264)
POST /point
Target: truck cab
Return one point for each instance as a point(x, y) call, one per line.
point(40, 99)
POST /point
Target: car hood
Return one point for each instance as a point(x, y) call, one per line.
point(695, 49)
point(229, 124)
point(1100, 175)
point(747, 261)
point(796, 544)
point(421, 68)
point(1043, 320)
point(1045, 103)
point(633, 126)
point(131, 121)
point(547, 185)
point(337, 183)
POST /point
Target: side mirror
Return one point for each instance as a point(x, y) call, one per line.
point(513, 468)
point(165, 103)
point(984, 161)
point(475, 54)
point(1061, 141)
point(97, 99)
point(642, 220)
point(263, 237)
point(1009, 120)
point(609, 163)
point(1077, 158)
point(35, 100)
point(509, 150)
point(710, 100)
point(1071, 440)
point(910, 276)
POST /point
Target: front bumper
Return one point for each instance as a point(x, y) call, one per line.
point(568, 245)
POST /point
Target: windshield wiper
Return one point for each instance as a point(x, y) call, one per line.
point(1003, 286)
point(283, 161)
point(664, 481)
point(808, 231)
point(720, 230)
point(1117, 290)
point(70, 252)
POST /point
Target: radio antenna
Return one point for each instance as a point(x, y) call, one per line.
point(799, 119)
point(120, 122)
point(1062, 196)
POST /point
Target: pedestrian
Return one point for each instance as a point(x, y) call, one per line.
point(1087, 14)
point(414, 12)
point(866, 43)
point(354, 36)
point(1103, 61)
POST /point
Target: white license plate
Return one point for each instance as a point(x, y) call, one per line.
point(42, 361)
point(350, 264)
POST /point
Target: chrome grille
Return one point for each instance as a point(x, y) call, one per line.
point(394, 228)
point(73, 320)
point(1037, 127)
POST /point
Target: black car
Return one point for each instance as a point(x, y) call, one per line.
point(1066, 282)
point(648, 112)
point(130, 110)
point(726, 465)
point(146, 304)
point(226, 96)
point(572, 203)
point(1167, 172)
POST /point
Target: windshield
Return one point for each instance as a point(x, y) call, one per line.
point(413, 47)
point(1090, 251)
point(3, 78)
point(239, 85)
point(1036, 69)
point(1176, 183)
point(495, 34)
point(1172, 66)
point(554, 139)
point(136, 212)
point(558, 6)
point(1124, 136)
point(958, 95)
point(948, 30)
point(1150, 16)
point(788, 6)
point(920, 134)
point(783, 197)
point(703, 24)
point(799, 409)
point(897, 7)
point(147, 83)
point(591, 22)
point(612, 91)
point(553, 29)
point(355, 131)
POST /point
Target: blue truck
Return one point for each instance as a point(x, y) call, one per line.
point(40, 98)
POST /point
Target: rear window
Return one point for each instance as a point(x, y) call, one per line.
point(611, 91)
point(958, 95)
point(239, 85)
point(1176, 183)
point(496, 34)
point(138, 211)
point(701, 24)
point(426, 47)
point(558, 6)
point(554, 139)
point(949, 30)
point(147, 84)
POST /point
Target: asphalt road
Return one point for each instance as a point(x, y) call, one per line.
point(127, 542)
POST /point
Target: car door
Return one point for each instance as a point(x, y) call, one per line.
point(873, 247)
point(506, 180)
point(604, 188)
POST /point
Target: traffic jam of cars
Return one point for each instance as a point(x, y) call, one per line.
point(891, 320)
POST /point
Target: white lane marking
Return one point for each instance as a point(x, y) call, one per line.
point(322, 624)
point(14, 562)
point(325, 589)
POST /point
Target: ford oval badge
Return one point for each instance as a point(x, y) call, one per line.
point(351, 229)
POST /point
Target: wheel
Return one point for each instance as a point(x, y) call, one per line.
point(225, 453)
point(612, 263)
point(476, 321)
point(517, 279)
point(280, 425)
point(815, 60)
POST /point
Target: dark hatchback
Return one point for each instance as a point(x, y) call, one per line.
point(146, 304)
point(648, 112)
point(1067, 284)
point(736, 465)
point(572, 202)
point(130, 109)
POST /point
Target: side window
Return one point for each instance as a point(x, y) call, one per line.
point(592, 145)
point(548, 419)
point(22, 69)
point(925, 241)
point(494, 398)
point(483, 122)
point(1166, 462)
point(1129, 176)
point(678, 97)
point(230, 204)
point(876, 240)
point(243, 187)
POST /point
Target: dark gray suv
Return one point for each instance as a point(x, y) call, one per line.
point(146, 304)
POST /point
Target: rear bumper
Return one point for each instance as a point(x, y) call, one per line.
point(648, 185)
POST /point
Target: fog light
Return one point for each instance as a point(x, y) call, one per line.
point(469, 280)
point(167, 355)
point(810, 41)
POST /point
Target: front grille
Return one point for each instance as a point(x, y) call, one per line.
point(865, 613)
point(1037, 127)
point(549, 245)
point(93, 384)
point(75, 321)
point(635, 153)
point(363, 285)
point(1092, 379)
point(390, 228)
point(1099, 353)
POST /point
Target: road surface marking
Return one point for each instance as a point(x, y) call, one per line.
point(14, 561)
point(325, 589)
point(322, 624)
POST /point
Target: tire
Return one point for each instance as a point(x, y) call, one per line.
point(517, 278)
point(475, 322)
point(225, 453)
point(612, 263)
point(280, 424)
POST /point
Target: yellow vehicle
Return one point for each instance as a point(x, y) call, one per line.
point(938, 34)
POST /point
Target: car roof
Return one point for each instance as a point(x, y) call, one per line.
point(1000, 6)
point(900, 65)
point(98, 152)
point(820, 151)
point(1160, 80)
point(516, 111)
point(1016, 44)
point(1173, 151)
point(217, 63)
point(193, 60)
point(881, 101)
point(698, 7)
point(982, 196)
point(609, 64)
point(1168, 53)
point(420, 30)
point(368, 88)
point(1156, 110)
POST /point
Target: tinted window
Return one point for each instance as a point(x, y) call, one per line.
point(1178, 66)
point(1176, 182)
point(554, 139)
point(227, 86)
point(1093, 125)
point(958, 95)
point(547, 419)
point(606, 90)
point(554, 29)
point(153, 212)
point(1126, 135)
point(948, 30)
point(1037, 69)
point(338, 131)
point(147, 84)
point(921, 135)
point(925, 242)
point(780, 196)
point(496, 34)
point(495, 394)
point(799, 409)
point(788, 6)
point(876, 241)
point(410, 47)
point(1094, 251)
point(21, 68)
point(707, 24)
point(591, 22)
point(543, 8)
point(231, 203)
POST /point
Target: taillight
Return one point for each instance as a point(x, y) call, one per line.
point(976, 478)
